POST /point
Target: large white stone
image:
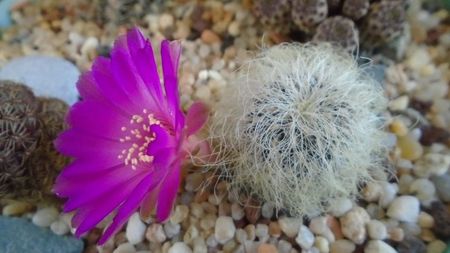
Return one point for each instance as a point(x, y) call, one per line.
point(404, 208)
point(47, 76)
point(135, 229)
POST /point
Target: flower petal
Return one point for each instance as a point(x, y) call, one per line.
point(196, 117)
point(97, 119)
point(141, 52)
point(130, 205)
point(168, 193)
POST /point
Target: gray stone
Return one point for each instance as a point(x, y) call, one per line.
point(442, 184)
point(47, 76)
point(20, 235)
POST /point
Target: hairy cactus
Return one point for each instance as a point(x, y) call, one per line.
point(306, 14)
point(384, 22)
point(28, 161)
point(334, 4)
point(300, 127)
point(340, 31)
point(355, 9)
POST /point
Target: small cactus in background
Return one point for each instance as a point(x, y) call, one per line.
point(355, 9)
point(306, 14)
point(300, 127)
point(272, 12)
point(28, 126)
point(340, 31)
point(384, 22)
point(379, 22)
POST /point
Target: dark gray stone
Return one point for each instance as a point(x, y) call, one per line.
point(20, 235)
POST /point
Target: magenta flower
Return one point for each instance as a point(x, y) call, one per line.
point(128, 137)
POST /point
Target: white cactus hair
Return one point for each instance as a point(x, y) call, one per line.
point(300, 127)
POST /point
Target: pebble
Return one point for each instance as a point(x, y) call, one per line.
point(210, 37)
point(354, 224)
point(322, 244)
point(267, 210)
point(262, 232)
point(89, 46)
point(399, 104)
point(425, 220)
point(47, 76)
point(432, 164)
point(442, 184)
point(424, 190)
point(166, 21)
point(411, 244)
point(267, 248)
point(135, 230)
point(372, 192)
point(274, 229)
point(284, 246)
point(234, 29)
point(319, 226)
point(241, 235)
point(305, 238)
point(388, 193)
point(436, 246)
point(377, 246)
point(342, 246)
point(237, 212)
point(441, 216)
point(250, 229)
point(289, 226)
point(16, 208)
point(125, 248)
point(409, 147)
point(340, 207)
point(211, 241)
point(376, 230)
point(396, 234)
point(180, 214)
point(199, 245)
point(224, 229)
point(45, 216)
point(171, 229)
point(59, 227)
point(193, 181)
point(404, 208)
point(252, 212)
point(155, 233)
point(190, 234)
point(180, 247)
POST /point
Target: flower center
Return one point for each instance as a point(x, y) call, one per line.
point(138, 134)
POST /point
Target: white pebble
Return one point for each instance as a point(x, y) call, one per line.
point(388, 193)
point(180, 247)
point(89, 45)
point(376, 230)
point(165, 21)
point(200, 245)
point(354, 224)
point(289, 226)
point(404, 208)
point(262, 232)
point(267, 210)
point(171, 229)
point(424, 189)
point(211, 241)
point(224, 229)
point(135, 230)
point(319, 226)
point(432, 164)
point(305, 238)
point(59, 227)
point(342, 246)
point(377, 246)
point(125, 248)
point(233, 28)
point(237, 212)
point(284, 246)
point(372, 192)
point(45, 216)
point(399, 104)
point(155, 233)
point(340, 207)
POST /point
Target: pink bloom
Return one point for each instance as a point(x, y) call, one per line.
point(128, 137)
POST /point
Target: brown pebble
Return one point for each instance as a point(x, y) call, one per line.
point(335, 227)
point(421, 106)
point(209, 37)
point(434, 134)
point(274, 229)
point(441, 218)
point(396, 234)
point(267, 248)
point(252, 211)
point(201, 196)
point(93, 236)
